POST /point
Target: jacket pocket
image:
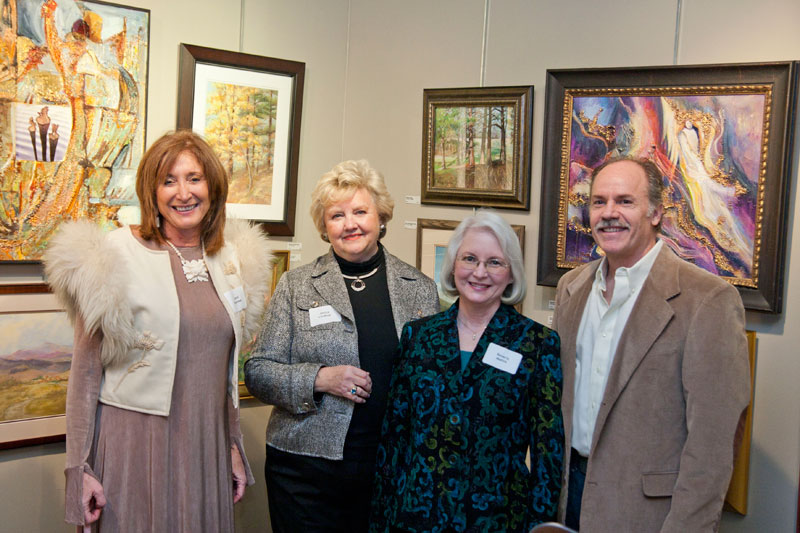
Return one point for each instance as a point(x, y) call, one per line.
point(659, 484)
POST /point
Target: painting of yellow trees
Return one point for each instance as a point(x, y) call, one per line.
point(240, 126)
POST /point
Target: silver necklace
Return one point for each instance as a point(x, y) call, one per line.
point(358, 284)
point(194, 270)
point(474, 333)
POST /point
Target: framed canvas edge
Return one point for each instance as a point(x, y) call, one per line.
point(451, 225)
point(280, 255)
point(782, 74)
point(190, 55)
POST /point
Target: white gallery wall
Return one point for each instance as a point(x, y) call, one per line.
point(367, 63)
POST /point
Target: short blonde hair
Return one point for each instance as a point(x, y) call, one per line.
point(342, 181)
point(153, 168)
point(487, 220)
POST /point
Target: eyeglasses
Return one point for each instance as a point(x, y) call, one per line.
point(493, 265)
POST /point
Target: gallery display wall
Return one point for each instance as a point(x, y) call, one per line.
point(367, 64)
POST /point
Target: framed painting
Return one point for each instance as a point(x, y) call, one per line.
point(476, 146)
point(721, 135)
point(73, 97)
point(23, 288)
point(736, 497)
point(280, 264)
point(248, 108)
point(35, 358)
point(432, 238)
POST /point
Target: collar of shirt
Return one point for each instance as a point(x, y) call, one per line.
point(635, 275)
point(599, 333)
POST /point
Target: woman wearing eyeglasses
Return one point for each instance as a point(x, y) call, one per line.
point(473, 388)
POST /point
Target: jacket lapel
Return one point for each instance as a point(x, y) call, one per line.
point(403, 292)
point(570, 313)
point(328, 282)
point(650, 315)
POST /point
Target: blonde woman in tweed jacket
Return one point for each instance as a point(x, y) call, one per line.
point(325, 354)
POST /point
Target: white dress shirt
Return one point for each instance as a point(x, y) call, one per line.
point(601, 326)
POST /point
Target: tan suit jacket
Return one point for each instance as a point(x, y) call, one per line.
point(662, 449)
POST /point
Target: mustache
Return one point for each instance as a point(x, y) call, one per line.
point(610, 223)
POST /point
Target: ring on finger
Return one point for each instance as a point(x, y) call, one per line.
point(354, 390)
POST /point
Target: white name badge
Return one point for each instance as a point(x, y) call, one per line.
point(323, 315)
point(236, 298)
point(502, 358)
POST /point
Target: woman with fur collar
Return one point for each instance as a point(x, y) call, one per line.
point(324, 357)
point(161, 311)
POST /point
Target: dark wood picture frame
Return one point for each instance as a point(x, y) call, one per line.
point(450, 226)
point(483, 181)
point(258, 67)
point(776, 81)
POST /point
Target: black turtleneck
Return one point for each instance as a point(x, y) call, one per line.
point(377, 344)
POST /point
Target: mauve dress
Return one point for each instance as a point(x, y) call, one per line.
point(161, 473)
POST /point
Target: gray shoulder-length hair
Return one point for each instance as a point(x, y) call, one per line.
point(489, 221)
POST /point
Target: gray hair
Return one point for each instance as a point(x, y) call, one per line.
point(490, 221)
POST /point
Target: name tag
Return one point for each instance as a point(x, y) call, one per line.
point(502, 358)
point(236, 298)
point(323, 315)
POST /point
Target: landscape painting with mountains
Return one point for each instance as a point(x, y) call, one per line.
point(35, 357)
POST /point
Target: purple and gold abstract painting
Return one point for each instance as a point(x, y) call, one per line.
point(711, 151)
point(73, 83)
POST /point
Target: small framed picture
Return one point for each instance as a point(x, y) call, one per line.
point(432, 238)
point(248, 108)
point(476, 146)
point(35, 360)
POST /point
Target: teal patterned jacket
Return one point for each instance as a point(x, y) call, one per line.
point(453, 445)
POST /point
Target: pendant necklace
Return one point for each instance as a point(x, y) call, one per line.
point(194, 270)
point(474, 333)
point(358, 284)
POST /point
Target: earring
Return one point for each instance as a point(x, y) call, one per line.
point(324, 237)
point(382, 232)
point(158, 221)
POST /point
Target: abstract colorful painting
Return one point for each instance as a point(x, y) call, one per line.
point(722, 137)
point(73, 86)
point(35, 357)
point(709, 150)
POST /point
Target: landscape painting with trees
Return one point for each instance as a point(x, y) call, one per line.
point(240, 126)
point(248, 107)
point(476, 148)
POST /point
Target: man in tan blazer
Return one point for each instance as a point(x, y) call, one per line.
point(656, 373)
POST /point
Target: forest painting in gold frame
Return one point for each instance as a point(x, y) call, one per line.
point(248, 108)
point(73, 98)
point(721, 136)
point(476, 146)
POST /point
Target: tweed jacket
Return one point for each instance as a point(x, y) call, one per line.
point(663, 444)
point(290, 351)
point(453, 443)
